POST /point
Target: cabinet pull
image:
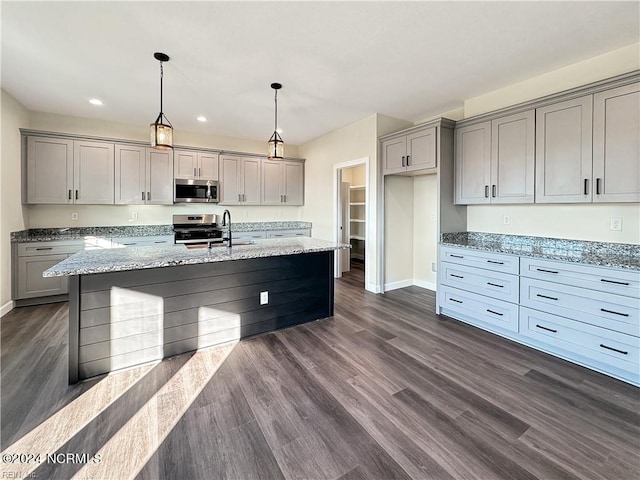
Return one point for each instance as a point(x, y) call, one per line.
point(493, 191)
point(239, 198)
point(69, 194)
point(199, 174)
point(614, 349)
point(598, 186)
point(456, 256)
point(586, 186)
point(76, 194)
point(486, 191)
point(132, 243)
point(457, 301)
point(495, 313)
point(495, 285)
point(545, 271)
point(403, 161)
point(281, 200)
point(44, 248)
point(148, 196)
point(143, 196)
point(613, 281)
point(457, 276)
point(497, 263)
point(547, 329)
point(615, 313)
point(194, 171)
point(408, 162)
point(544, 296)
point(244, 197)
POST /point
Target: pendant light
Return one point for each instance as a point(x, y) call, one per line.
point(276, 145)
point(161, 130)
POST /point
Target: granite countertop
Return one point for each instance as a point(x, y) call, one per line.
point(615, 255)
point(137, 258)
point(78, 233)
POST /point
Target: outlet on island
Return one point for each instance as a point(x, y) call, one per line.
point(264, 298)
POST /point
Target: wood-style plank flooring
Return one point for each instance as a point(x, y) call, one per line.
point(385, 389)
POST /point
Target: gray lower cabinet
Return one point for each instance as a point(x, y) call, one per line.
point(288, 233)
point(583, 313)
point(616, 145)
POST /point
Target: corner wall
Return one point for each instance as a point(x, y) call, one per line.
point(13, 215)
point(572, 221)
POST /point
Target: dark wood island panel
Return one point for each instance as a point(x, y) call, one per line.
point(121, 319)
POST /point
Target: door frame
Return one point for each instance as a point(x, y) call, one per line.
point(337, 180)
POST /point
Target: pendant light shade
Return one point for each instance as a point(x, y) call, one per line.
point(276, 145)
point(161, 130)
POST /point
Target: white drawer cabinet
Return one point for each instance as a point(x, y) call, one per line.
point(289, 233)
point(249, 236)
point(118, 242)
point(592, 345)
point(480, 309)
point(497, 262)
point(486, 282)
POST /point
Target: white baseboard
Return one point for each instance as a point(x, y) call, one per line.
point(428, 285)
point(6, 308)
point(396, 285)
point(373, 288)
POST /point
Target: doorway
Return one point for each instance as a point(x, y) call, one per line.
point(352, 212)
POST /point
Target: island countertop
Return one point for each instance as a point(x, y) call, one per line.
point(138, 258)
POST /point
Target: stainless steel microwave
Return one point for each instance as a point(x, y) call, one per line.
point(196, 191)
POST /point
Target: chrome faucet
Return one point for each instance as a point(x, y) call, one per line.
point(226, 217)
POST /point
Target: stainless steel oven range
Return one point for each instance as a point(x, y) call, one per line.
point(196, 229)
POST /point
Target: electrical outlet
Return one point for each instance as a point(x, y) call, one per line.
point(433, 217)
point(507, 220)
point(264, 298)
point(615, 224)
point(74, 216)
point(134, 215)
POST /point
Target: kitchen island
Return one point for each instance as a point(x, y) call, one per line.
point(142, 304)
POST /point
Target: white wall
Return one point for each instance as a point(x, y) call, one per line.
point(580, 222)
point(41, 216)
point(425, 231)
point(398, 232)
point(13, 215)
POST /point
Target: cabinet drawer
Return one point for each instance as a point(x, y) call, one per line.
point(248, 236)
point(289, 233)
point(477, 308)
point(613, 312)
point(603, 279)
point(588, 341)
point(118, 242)
point(498, 262)
point(48, 248)
point(493, 284)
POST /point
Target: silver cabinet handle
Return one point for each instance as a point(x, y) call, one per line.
point(76, 194)
point(586, 186)
point(493, 191)
point(44, 248)
point(69, 194)
point(143, 199)
point(408, 162)
point(486, 191)
point(403, 161)
point(285, 199)
point(239, 198)
point(199, 174)
point(149, 196)
point(194, 171)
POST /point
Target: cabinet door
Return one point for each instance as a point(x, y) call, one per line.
point(130, 175)
point(512, 158)
point(208, 166)
point(563, 152)
point(31, 283)
point(421, 150)
point(616, 145)
point(230, 180)
point(394, 152)
point(185, 164)
point(250, 179)
point(293, 177)
point(93, 173)
point(159, 177)
point(272, 177)
point(473, 163)
point(49, 170)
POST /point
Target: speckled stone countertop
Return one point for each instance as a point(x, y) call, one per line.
point(137, 258)
point(616, 255)
point(78, 233)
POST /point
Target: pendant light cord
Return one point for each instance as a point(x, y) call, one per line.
point(276, 101)
point(161, 75)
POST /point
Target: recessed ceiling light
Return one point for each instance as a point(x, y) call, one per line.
point(95, 101)
point(202, 118)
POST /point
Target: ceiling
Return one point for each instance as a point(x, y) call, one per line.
point(338, 61)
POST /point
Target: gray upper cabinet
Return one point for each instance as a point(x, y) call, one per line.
point(194, 164)
point(62, 171)
point(564, 151)
point(240, 180)
point(513, 158)
point(410, 152)
point(616, 145)
point(282, 183)
point(49, 170)
point(473, 164)
point(144, 176)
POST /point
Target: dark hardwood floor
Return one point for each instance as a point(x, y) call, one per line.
point(384, 389)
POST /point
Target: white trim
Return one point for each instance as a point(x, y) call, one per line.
point(7, 307)
point(397, 285)
point(423, 284)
